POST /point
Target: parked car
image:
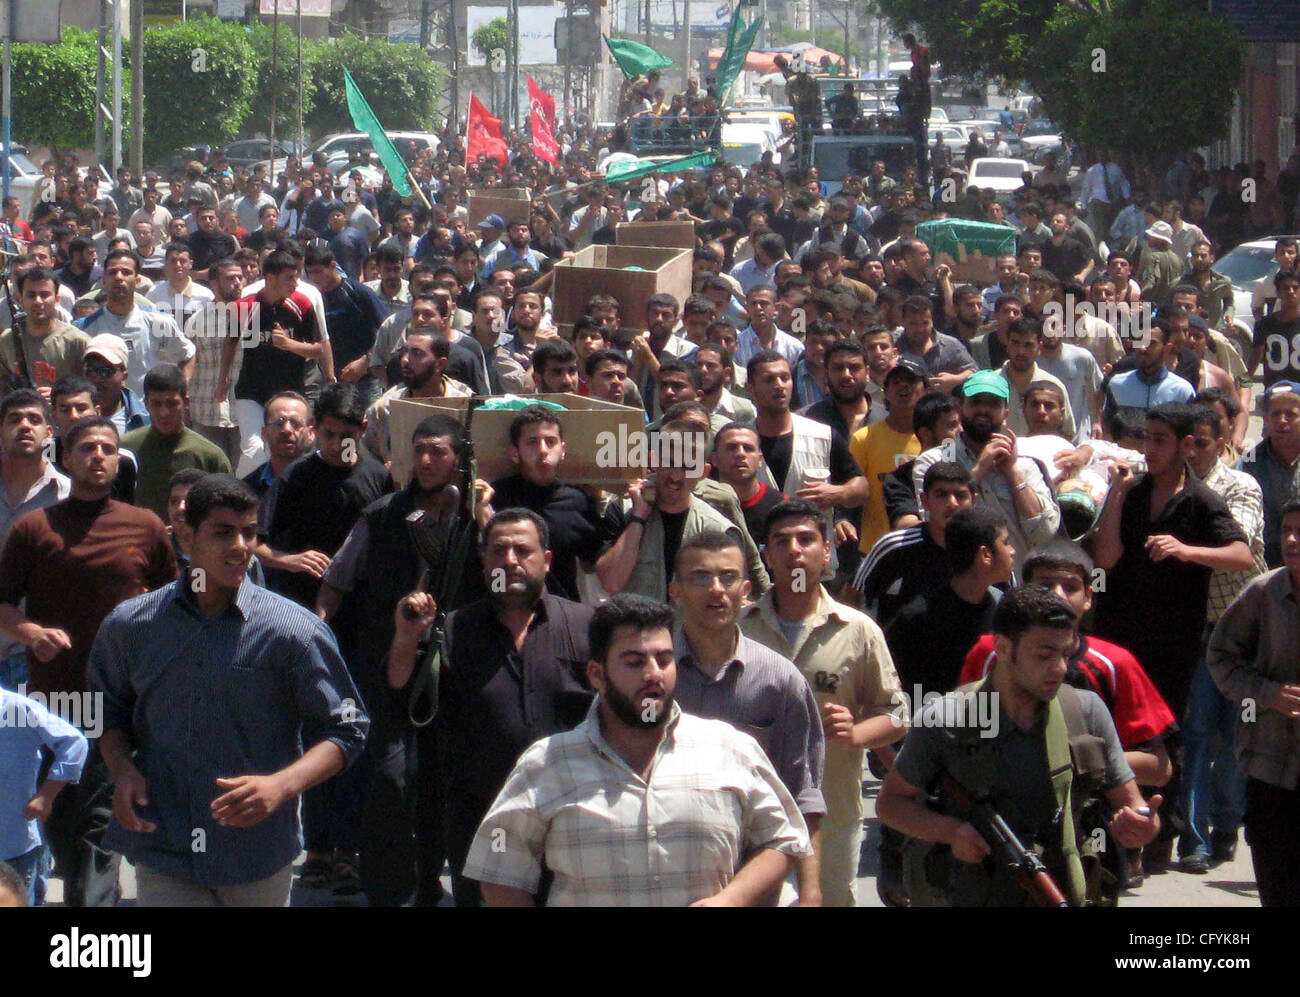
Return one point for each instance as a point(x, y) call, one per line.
point(1003, 176)
point(338, 149)
point(24, 179)
point(247, 151)
point(1061, 150)
point(1038, 133)
point(1247, 266)
point(954, 138)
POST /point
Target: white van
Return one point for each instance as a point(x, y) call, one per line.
point(744, 142)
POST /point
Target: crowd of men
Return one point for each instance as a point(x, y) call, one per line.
point(1013, 535)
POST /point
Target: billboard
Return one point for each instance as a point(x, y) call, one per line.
point(310, 8)
point(707, 16)
point(536, 32)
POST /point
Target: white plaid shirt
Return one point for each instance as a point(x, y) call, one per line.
point(612, 839)
point(1242, 495)
point(209, 328)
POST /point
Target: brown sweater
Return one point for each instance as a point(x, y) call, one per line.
point(74, 562)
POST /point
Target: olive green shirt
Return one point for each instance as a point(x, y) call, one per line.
point(50, 357)
point(1160, 271)
point(159, 457)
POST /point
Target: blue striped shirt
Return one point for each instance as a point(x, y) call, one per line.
point(27, 727)
point(763, 694)
point(240, 693)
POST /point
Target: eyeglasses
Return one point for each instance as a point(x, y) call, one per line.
point(98, 370)
point(704, 579)
point(291, 423)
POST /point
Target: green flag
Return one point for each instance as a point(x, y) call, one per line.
point(365, 121)
point(634, 58)
point(739, 41)
point(632, 169)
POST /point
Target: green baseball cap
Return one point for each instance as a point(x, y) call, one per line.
point(986, 382)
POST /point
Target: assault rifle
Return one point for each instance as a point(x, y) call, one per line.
point(1008, 851)
point(22, 377)
point(443, 543)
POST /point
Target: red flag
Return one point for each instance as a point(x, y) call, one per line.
point(539, 98)
point(541, 121)
point(483, 135)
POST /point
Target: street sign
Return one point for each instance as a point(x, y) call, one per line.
point(310, 8)
point(34, 20)
point(404, 30)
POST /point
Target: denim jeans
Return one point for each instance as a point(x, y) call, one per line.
point(34, 868)
point(1213, 790)
point(13, 670)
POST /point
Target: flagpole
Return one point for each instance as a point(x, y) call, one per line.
point(410, 178)
point(370, 124)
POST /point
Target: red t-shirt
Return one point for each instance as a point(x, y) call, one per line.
point(1142, 717)
point(21, 230)
point(921, 62)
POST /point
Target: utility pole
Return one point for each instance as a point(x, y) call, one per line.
point(117, 85)
point(425, 10)
point(453, 39)
point(568, 54)
point(848, 16)
point(647, 22)
point(880, 47)
point(137, 86)
point(686, 42)
point(100, 81)
point(508, 114)
point(275, 67)
point(298, 28)
point(7, 85)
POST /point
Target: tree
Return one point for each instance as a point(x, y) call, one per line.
point(979, 37)
point(199, 78)
point(285, 82)
point(54, 92)
point(1101, 68)
point(400, 82)
point(1111, 94)
point(488, 40)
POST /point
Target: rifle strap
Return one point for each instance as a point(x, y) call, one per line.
point(1063, 722)
point(422, 707)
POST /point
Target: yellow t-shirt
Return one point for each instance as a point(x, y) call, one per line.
point(879, 450)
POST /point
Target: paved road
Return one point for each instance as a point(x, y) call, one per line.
point(1229, 885)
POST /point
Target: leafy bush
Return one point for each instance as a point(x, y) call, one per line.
point(199, 79)
point(54, 91)
point(400, 82)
